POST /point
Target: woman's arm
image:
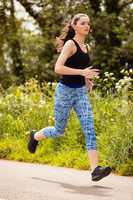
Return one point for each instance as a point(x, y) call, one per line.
point(89, 84)
point(67, 51)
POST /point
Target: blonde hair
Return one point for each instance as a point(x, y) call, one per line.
point(68, 31)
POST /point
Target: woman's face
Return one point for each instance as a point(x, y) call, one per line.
point(82, 26)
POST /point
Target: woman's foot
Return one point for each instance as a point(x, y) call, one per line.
point(32, 144)
point(100, 172)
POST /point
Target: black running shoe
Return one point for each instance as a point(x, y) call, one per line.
point(100, 172)
point(32, 144)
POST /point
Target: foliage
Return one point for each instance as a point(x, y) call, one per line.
point(26, 54)
point(27, 60)
point(109, 84)
point(30, 106)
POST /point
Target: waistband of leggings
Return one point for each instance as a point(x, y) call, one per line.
point(72, 85)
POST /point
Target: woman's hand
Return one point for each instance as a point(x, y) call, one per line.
point(89, 84)
point(89, 73)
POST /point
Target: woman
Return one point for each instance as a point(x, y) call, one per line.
point(71, 90)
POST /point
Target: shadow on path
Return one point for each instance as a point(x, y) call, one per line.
point(94, 190)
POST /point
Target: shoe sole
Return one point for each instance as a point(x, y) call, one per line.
point(97, 178)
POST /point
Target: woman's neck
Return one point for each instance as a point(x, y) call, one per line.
point(80, 39)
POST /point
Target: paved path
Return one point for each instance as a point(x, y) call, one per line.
point(25, 181)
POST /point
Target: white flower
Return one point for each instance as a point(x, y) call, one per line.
point(106, 73)
point(113, 78)
point(118, 87)
point(122, 83)
point(126, 72)
point(130, 70)
point(97, 77)
point(125, 77)
point(122, 71)
point(111, 74)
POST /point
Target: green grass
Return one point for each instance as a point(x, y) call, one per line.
point(31, 107)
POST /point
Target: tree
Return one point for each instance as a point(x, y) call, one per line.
point(24, 54)
point(108, 32)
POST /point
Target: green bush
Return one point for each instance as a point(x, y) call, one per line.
point(30, 106)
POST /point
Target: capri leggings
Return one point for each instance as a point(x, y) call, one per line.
point(66, 98)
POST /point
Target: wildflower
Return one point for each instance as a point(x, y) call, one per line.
point(113, 78)
point(97, 77)
point(111, 74)
point(130, 71)
point(122, 71)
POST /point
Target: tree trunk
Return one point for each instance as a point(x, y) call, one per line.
point(15, 48)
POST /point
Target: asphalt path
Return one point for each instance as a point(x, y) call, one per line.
point(27, 181)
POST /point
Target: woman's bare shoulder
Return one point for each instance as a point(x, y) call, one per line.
point(69, 43)
point(69, 46)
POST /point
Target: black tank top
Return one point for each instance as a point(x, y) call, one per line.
point(79, 60)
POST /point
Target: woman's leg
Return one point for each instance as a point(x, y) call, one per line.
point(62, 106)
point(93, 157)
point(83, 110)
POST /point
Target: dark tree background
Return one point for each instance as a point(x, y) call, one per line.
point(25, 53)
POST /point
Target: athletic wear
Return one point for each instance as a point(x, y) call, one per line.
point(66, 98)
point(79, 60)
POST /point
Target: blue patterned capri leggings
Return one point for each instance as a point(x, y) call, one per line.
point(66, 98)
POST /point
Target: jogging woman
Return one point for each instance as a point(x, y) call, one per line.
point(76, 74)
